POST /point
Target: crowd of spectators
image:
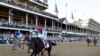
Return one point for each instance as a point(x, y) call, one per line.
point(5, 23)
point(29, 8)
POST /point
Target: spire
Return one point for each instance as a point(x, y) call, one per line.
point(56, 9)
point(72, 16)
point(66, 4)
point(65, 9)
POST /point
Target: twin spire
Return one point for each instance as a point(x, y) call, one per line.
point(56, 9)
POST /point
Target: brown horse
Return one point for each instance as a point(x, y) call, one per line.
point(88, 41)
point(95, 41)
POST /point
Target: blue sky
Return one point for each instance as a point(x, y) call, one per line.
point(82, 9)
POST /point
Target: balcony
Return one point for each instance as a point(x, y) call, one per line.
point(53, 30)
point(15, 25)
point(4, 24)
point(28, 8)
point(38, 2)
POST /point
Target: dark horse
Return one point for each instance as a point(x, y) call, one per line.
point(95, 41)
point(37, 45)
point(88, 41)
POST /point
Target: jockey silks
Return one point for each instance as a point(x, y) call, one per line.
point(43, 34)
point(18, 34)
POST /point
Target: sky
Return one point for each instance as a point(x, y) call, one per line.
point(82, 9)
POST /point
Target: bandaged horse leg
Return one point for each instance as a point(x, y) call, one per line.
point(46, 44)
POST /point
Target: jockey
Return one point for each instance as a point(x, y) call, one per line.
point(18, 34)
point(42, 33)
point(17, 39)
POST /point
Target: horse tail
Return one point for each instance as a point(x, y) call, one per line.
point(53, 43)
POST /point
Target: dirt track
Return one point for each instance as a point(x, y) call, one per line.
point(62, 49)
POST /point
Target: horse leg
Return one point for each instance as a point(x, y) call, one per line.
point(49, 53)
point(42, 52)
point(35, 54)
point(88, 44)
point(94, 44)
point(49, 50)
point(32, 53)
point(28, 49)
point(23, 45)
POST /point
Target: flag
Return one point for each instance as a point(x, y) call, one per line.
point(56, 9)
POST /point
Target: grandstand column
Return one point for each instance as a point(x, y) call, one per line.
point(61, 26)
point(10, 15)
point(88, 32)
point(9, 18)
point(53, 35)
point(52, 24)
point(66, 27)
point(45, 22)
point(22, 20)
point(83, 32)
point(91, 32)
point(31, 21)
point(74, 30)
point(58, 25)
point(26, 19)
point(69, 28)
point(36, 21)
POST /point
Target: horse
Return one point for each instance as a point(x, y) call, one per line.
point(37, 45)
point(95, 41)
point(88, 41)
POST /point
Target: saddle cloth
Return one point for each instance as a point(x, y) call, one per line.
point(46, 44)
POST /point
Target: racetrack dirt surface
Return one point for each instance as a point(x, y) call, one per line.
point(62, 49)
